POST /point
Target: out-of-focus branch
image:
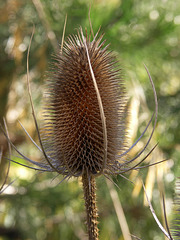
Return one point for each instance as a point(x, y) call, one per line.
point(50, 33)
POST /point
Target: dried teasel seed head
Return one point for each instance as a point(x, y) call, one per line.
point(73, 133)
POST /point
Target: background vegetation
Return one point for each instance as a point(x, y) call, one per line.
point(36, 206)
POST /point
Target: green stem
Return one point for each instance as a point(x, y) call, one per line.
point(89, 188)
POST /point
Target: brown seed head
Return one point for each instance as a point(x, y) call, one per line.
point(74, 134)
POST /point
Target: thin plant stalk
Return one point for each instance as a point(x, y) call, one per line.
point(119, 211)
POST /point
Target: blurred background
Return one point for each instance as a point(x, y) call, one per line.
point(36, 206)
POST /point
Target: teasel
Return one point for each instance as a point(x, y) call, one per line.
point(85, 118)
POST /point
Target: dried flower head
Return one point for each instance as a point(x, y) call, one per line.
point(84, 117)
point(85, 112)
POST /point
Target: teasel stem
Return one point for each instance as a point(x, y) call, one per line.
point(89, 188)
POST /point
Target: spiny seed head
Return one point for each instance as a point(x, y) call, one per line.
point(73, 133)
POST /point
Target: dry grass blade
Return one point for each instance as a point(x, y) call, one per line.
point(119, 211)
point(64, 29)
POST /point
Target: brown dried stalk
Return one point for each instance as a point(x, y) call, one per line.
point(84, 131)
